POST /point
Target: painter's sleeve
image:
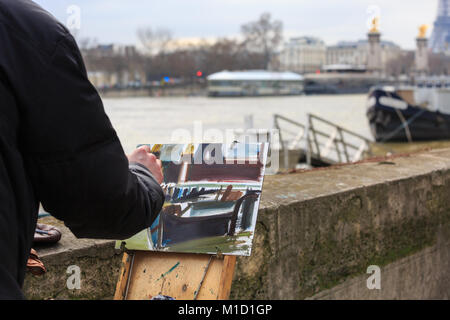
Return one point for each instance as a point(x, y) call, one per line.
point(75, 159)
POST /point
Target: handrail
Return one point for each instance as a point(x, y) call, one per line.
point(337, 142)
point(339, 127)
point(277, 116)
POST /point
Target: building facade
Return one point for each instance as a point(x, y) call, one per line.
point(357, 54)
point(352, 53)
point(303, 55)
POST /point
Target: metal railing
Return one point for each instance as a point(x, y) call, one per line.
point(321, 140)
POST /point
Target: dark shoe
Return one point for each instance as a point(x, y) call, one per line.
point(46, 234)
point(35, 265)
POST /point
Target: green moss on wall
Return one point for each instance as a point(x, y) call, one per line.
point(98, 280)
point(338, 237)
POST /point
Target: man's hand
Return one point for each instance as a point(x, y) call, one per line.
point(144, 156)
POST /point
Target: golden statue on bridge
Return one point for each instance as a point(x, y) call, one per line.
point(423, 31)
point(375, 25)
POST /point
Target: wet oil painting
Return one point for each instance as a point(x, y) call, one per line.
point(212, 198)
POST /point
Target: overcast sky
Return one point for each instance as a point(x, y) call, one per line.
point(116, 21)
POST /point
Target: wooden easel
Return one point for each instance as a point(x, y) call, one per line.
point(144, 275)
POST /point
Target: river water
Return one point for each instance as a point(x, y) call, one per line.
point(154, 120)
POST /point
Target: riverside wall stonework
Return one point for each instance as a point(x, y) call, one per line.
point(316, 235)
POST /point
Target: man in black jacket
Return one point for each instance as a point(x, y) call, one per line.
point(57, 146)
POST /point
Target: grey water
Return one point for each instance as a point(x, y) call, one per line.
point(148, 120)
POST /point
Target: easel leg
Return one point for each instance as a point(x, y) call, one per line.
point(124, 277)
point(226, 279)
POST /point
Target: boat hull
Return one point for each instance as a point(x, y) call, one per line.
point(175, 229)
point(388, 123)
point(178, 229)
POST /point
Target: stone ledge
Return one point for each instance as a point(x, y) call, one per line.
point(315, 231)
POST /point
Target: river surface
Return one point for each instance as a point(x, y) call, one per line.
point(155, 120)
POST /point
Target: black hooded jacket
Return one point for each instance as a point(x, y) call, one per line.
point(57, 145)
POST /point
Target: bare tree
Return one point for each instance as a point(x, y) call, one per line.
point(155, 41)
point(439, 64)
point(229, 54)
point(87, 43)
point(263, 36)
point(401, 65)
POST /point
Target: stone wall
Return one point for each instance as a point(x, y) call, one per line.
point(317, 232)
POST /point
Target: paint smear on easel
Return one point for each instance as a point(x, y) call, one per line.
point(169, 271)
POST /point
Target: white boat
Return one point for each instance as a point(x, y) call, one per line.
point(254, 83)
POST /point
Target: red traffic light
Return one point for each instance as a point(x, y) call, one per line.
point(199, 74)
